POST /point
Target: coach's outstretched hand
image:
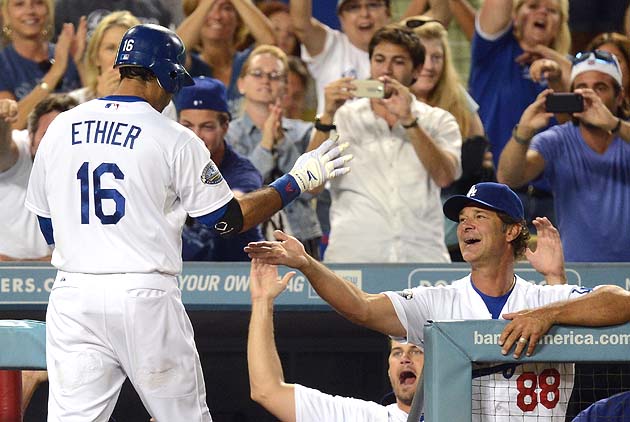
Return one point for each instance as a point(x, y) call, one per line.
point(313, 168)
point(287, 250)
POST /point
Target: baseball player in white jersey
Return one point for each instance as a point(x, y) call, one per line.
point(112, 183)
point(492, 234)
point(296, 403)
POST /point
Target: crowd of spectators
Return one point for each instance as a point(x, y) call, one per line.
point(519, 49)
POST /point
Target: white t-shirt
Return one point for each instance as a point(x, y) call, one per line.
point(118, 179)
point(530, 392)
point(314, 406)
point(339, 58)
point(20, 236)
point(388, 204)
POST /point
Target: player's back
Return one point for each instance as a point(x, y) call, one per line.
point(118, 180)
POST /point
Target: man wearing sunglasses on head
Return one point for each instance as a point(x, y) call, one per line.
point(586, 160)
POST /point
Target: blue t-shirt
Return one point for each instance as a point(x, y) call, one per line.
point(502, 88)
point(201, 243)
point(592, 193)
point(234, 97)
point(611, 409)
point(20, 75)
point(493, 303)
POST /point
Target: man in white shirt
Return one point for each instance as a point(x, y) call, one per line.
point(20, 238)
point(405, 152)
point(331, 54)
point(296, 403)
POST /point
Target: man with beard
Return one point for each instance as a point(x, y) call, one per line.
point(585, 161)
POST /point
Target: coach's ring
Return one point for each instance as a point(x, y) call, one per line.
point(522, 340)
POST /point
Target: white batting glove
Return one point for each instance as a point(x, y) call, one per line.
point(312, 169)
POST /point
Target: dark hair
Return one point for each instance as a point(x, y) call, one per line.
point(53, 102)
point(136, 72)
point(399, 35)
point(519, 244)
point(298, 67)
point(622, 42)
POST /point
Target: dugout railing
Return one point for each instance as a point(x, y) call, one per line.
point(451, 348)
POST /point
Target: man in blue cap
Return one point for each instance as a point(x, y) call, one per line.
point(492, 234)
point(203, 109)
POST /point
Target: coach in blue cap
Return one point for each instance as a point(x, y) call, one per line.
point(203, 109)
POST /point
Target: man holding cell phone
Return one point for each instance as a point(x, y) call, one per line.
point(587, 160)
point(405, 151)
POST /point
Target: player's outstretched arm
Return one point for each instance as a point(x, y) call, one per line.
point(266, 379)
point(311, 170)
point(374, 311)
point(606, 305)
point(548, 259)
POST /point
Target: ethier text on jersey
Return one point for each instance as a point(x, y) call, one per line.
point(104, 132)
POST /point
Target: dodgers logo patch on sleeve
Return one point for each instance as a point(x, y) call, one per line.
point(211, 174)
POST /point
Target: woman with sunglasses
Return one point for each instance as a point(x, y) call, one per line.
point(509, 35)
point(212, 33)
point(31, 66)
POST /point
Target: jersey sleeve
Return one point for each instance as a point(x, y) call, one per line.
point(412, 309)
point(314, 406)
point(197, 180)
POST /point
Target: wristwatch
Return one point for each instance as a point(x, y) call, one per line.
point(322, 127)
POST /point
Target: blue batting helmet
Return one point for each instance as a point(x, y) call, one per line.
point(158, 49)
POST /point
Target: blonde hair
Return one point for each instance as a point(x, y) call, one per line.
point(240, 34)
point(448, 93)
point(266, 49)
point(562, 41)
point(48, 31)
point(123, 19)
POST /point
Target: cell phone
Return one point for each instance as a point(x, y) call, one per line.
point(368, 88)
point(564, 102)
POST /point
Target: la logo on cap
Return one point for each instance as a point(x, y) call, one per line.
point(472, 192)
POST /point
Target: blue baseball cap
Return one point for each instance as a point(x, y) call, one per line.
point(205, 94)
point(495, 196)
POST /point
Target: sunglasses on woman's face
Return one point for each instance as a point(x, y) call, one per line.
point(417, 23)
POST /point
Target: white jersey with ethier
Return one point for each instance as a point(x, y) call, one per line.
point(118, 179)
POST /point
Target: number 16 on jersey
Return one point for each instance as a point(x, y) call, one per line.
point(99, 194)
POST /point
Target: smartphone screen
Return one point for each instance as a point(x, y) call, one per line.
point(368, 88)
point(564, 102)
